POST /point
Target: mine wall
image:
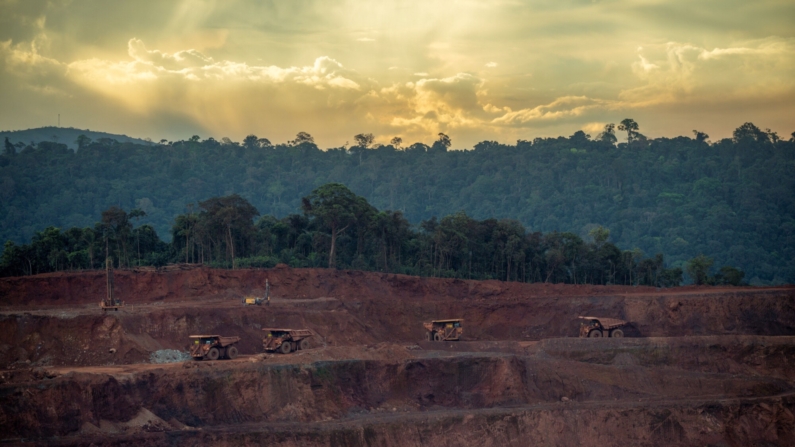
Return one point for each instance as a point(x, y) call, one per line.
point(737, 423)
point(84, 335)
point(217, 394)
point(148, 285)
point(699, 366)
point(227, 394)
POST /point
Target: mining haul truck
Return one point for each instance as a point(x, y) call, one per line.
point(213, 347)
point(444, 330)
point(596, 327)
point(286, 340)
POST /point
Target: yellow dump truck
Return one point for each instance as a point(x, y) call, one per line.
point(286, 340)
point(213, 347)
point(444, 330)
point(597, 327)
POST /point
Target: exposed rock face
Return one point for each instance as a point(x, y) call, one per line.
point(406, 398)
point(700, 366)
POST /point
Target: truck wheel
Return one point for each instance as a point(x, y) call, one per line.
point(231, 352)
point(596, 333)
point(617, 333)
point(213, 354)
point(437, 336)
point(303, 344)
point(429, 336)
point(285, 347)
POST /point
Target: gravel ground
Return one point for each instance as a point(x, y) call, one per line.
point(168, 356)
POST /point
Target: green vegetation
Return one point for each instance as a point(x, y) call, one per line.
point(731, 200)
point(342, 228)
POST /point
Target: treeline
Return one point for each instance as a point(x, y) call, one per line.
point(731, 199)
point(339, 229)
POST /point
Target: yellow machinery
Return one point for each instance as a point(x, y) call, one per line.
point(110, 302)
point(252, 300)
point(444, 330)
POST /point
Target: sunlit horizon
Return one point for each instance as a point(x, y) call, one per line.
point(497, 70)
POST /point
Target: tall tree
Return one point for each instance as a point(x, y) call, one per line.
point(608, 135)
point(117, 227)
point(580, 138)
point(251, 142)
point(698, 269)
point(364, 140)
point(82, 141)
point(334, 205)
point(301, 138)
point(9, 148)
point(748, 131)
point(136, 214)
point(229, 219)
point(442, 143)
point(700, 137)
point(629, 126)
point(396, 141)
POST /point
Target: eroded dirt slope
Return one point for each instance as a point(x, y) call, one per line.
point(702, 366)
point(54, 319)
point(544, 394)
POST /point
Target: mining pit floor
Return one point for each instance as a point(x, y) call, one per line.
point(700, 366)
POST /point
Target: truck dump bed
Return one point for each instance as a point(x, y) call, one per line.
point(444, 330)
point(607, 323)
point(222, 341)
point(275, 337)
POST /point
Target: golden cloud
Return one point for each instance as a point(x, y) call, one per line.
point(230, 97)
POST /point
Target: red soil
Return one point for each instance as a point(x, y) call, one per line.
point(704, 366)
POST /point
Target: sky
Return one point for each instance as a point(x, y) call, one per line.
point(475, 70)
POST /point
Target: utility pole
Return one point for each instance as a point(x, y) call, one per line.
point(59, 120)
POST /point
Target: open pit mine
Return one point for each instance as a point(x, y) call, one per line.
point(696, 366)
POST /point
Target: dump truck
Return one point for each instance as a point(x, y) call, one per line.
point(596, 327)
point(213, 347)
point(444, 330)
point(253, 300)
point(110, 302)
point(286, 340)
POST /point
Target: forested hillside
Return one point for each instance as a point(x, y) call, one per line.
point(339, 229)
point(732, 200)
point(64, 135)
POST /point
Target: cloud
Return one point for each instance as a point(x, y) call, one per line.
point(30, 70)
point(274, 68)
point(767, 48)
point(686, 73)
point(190, 65)
point(181, 59)
point(560, 109)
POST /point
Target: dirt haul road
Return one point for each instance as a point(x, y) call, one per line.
point(706, 366)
